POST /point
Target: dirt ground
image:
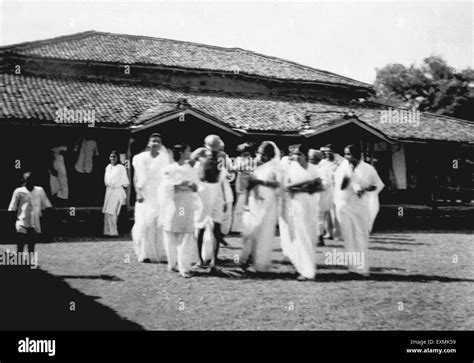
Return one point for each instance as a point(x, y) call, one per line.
point(418, 280)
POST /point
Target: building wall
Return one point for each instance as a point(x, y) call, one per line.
point(27, 148)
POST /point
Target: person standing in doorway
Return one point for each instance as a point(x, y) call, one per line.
point(116, 180)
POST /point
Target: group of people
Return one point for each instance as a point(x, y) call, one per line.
point(185, 204)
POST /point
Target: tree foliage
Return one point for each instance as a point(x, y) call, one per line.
point(433, 86)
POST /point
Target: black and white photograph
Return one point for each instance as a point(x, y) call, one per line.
point(237, 166)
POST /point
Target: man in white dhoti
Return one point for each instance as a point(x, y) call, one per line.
point(115, 180)
point(147, 233)
point(216, 198)
point(329, 165)
point(260, 215)
point(298, 229)
point(357, 185)
point(28, 202)
point(178, 193)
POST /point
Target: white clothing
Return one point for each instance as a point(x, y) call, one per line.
point(178, 214)
point(59, 184)
point(228, 201)
point(87, 150)
point(241, 183)
point(179, 206)
point(356, 215)
point(147, 233)
point(399, 167)
point(334, 164)
point(328, 219)
point(213, 197)
point(110, 224)
point(326, 197)
point(179, 250)
point(298, 226)
point(115, 180)
point(259, 222)
point(28, 206)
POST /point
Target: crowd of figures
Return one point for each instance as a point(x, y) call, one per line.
point(185, 204)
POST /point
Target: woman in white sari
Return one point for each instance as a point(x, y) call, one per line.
point(357, 185)
point(115, 180)
point(260, 215)
point(298, 229)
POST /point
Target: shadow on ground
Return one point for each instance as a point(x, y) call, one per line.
point(329, 277)
point(389, 249)
point(228, 269)
point(37, 300)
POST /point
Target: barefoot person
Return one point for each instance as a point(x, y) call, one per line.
point(215, 197)
point(357, 185)
point(261, 216)
point(298, 229)
point(146, 233)
point(115, 180)
point(178, 195)
point(28, 201)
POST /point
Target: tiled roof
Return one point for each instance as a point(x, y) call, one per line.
point(431, 127)
point(38, 99)
point(130, 49)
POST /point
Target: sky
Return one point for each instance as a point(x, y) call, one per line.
point(351, 38)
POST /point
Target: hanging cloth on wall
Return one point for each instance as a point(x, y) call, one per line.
point(399, 166)
point(87, 150)
point(59, 183)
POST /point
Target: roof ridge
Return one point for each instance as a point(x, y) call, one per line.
point(215, 47)
point(241, 50)
point(368, 85)
point(94, 32)
point(167, 39)
point(49, 40)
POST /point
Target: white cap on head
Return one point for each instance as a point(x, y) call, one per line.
point(214, 142)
